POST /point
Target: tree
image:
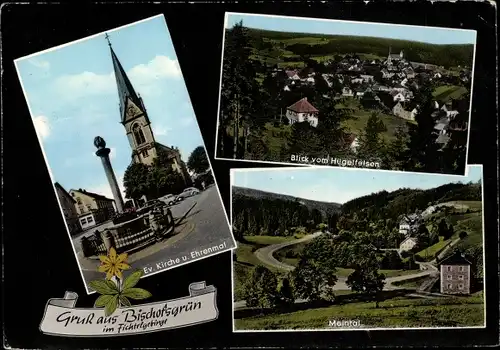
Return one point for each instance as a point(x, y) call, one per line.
point(286, 295)
point(135, 181)
point(314, 277)
point(161, 181)
point(371, 144)
point(444, 230)
point(423, 154)
point(261, 288)
point(198, 161)
point(397, 150)
point(366, 279)
point(240, 94)
point(304, 140)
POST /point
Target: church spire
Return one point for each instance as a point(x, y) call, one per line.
point(125, 89)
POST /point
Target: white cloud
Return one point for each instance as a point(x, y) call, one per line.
point(44, 65)
point(144, 77)
point(42, 126)
point(84, 84)
point(160, 67)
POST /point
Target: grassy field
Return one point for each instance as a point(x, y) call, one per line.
point(360, 117)
point(472, 223)
point(431, 251)
point(445, 93)
point(276, 140)
point(246, 259)
point(397, 312)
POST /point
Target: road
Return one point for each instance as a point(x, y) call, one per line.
point(205, 226)
point(265, 255)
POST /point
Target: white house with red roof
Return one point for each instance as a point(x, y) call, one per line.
point(302, 111)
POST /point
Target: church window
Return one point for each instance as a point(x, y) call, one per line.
point(138, 134)
point(144, 153)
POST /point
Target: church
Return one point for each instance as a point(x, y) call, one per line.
point(134, 118)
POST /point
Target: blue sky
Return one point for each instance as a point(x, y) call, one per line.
point(340, 185)
point(393, 31)
point(72, 95)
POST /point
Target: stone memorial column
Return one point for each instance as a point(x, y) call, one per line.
point(103, 153)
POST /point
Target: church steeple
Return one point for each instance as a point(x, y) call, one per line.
point(129, 99)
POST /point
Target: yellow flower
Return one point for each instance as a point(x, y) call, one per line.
point(113, 264)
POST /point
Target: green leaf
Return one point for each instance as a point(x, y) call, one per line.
point(132, 279)
point(124, 301)
point(104, 286)
point(103, 300)
point(136, 293)
point(111, 305)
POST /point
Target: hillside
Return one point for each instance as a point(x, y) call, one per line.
point(325, 207)
point(393, 204)
point(274, 46)
point(258, 213)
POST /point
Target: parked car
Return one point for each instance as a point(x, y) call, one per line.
point(169, 199)
point(149, 205)
point(188, 192)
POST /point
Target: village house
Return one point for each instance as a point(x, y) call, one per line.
point(455, 273)
point(347, 92)
point(292, 75)
point(409, 224)
point(328, 79)
point(366, 78)
point(386, 74)
point(68, 205)
point(310, 80)
point(302, 111)
point(359, 93)
point(92, 208)
point(357, 81)
point(398, 96)
point(399, 111)
point(286, 88)
point(408, 244)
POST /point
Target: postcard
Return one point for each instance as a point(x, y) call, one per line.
point(309, 91)
point(327, 249)
point(124, 150)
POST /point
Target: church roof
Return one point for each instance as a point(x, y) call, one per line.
point(303, 106)
point(125, 88)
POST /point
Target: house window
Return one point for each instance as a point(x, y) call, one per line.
point(449, 277)
point(78, 200)
point(89, 220)
point(138, 134)
point(83, 221)
point(144, 153)
point(461, 269)
point(448, 268)
point(461, 286)
point(89, 207)
point(449, 286)
point(461, 277)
